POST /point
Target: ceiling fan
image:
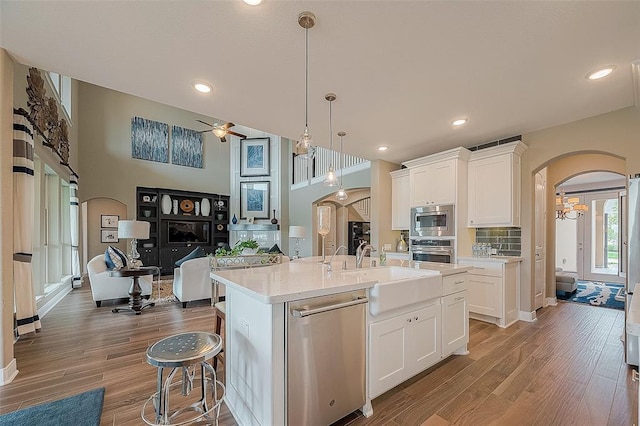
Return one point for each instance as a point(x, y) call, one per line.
point(221, 130)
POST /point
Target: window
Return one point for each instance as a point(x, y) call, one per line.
point(61, 86)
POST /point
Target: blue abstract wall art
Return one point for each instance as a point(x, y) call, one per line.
point(186, 147)
point(149, 140)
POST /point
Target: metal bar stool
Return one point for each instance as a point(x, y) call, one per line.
point(184, 352)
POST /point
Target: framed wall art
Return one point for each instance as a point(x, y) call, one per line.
point(109, 236)
point(254, 157)
point(109, 220)
point(149, 140)
point(254, 200)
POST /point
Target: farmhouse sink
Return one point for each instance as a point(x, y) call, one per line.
point(398, 287)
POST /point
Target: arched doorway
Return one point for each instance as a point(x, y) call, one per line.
point(355, 209)
point(558, 171)
point(589, 239)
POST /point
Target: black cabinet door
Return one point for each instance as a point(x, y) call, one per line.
point(149, 256)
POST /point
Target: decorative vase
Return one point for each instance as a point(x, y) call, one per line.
point(274, 220)
point(197, 209)
point(165, 204)
point(175, 206)
point(402, 245)
point(235, 219)
point(205, 207)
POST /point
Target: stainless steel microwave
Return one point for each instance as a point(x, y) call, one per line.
point(433, 221)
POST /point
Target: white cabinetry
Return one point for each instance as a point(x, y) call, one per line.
point(435, 179)
point(493, 290)
point(433, 184)
point(494, 186)
point(455, 315)
point(402, 346)
point(400, 206)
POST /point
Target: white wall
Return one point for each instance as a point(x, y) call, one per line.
point(566, 245)
point(106, 167)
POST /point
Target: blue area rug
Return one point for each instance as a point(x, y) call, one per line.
point(595, 293)
point(79, 410)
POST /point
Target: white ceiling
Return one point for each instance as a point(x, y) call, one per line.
point(402, 70)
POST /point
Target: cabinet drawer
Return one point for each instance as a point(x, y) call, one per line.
point(454, 283)
point(485, 268)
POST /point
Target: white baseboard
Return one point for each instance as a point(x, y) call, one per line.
point(527, 316)
point(44, 310)
point(551, 301)
point(8, 373)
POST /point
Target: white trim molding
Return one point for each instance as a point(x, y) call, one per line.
point(635, 72)
point(527, 316)
point(551, 301)
point(8, 373)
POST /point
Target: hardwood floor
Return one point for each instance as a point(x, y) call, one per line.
point(566, 368)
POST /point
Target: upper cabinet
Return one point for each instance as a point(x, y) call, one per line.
point(434, 179)
point(400, 207)
point(494, 186)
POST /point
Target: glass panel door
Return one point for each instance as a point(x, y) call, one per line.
point(602, 238)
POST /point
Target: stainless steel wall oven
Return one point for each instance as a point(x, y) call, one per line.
point(428, 250)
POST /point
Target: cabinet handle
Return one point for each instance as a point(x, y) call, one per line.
point(409, 320)
point(470, 221)
point(459, 298)
point(415, 319)
point(459, 282)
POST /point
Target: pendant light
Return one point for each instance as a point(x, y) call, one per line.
point(331, 179)
point(341, 195)
point(303, 147)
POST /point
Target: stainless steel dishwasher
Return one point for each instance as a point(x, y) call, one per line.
point(325, 358)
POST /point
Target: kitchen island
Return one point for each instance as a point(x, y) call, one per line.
point(256, 325)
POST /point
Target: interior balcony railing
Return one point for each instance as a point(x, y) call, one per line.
point(309, 171)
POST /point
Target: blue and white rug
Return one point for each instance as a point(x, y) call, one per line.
point(595, 293)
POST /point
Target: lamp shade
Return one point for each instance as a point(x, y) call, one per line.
point(297, 232)
point(133, 229)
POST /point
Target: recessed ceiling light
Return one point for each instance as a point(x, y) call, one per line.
point(601, 72)
point(459, 122)
point(202, 86)
point(253, 2)
point(383, 148)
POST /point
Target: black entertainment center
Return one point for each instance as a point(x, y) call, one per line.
point(180, 221)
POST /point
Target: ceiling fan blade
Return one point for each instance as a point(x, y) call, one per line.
point(204, 122)
point(240, 135)
point(227, 125)
point(204, 131)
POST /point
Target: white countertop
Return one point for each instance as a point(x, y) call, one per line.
point(303, 278)
point(496, 259)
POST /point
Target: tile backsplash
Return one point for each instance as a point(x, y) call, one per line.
point(507, 241)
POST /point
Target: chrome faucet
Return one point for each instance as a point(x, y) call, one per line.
point(344, 264)
point(361, 251)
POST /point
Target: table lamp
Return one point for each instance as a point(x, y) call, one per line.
point(134, 229)
point(297, 232)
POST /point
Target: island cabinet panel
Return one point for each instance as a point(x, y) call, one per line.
point(455, 322)
point(402, 346)
point(254, 360)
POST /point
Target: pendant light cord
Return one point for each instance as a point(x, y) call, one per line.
point(306, 79)
point(331, 133)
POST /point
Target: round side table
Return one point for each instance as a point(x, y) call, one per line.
point(186, 352)
point(135, 293)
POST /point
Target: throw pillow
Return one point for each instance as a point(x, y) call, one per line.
point(196, 253)
point(275, 250)
point(115, 258)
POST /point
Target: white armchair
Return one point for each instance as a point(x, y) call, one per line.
point(104, 287)
point(192, 280)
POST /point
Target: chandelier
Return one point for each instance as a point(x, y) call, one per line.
point(569, 207)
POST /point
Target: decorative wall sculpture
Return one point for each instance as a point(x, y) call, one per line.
point(43, 114)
